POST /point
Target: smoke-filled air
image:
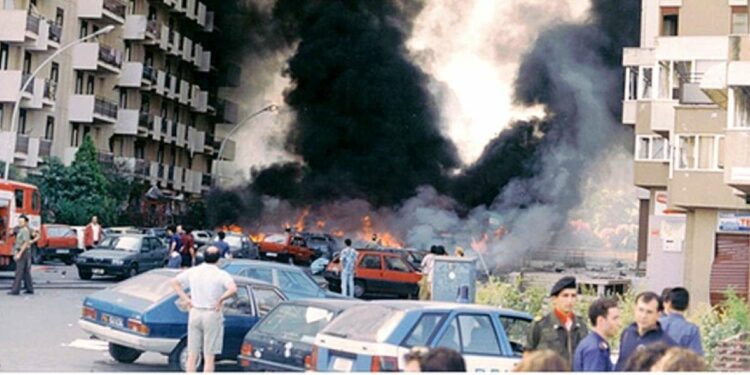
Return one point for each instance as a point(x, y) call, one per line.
point(490, 125)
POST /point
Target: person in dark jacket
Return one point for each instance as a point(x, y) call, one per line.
point(561, 330)
point(646, 329)
point(686, 334)
point(592, 354)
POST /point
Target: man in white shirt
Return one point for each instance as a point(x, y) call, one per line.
point(209, 288)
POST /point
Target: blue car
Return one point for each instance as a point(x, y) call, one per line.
point(143, 314)
point(292, 280)
point(375, 337)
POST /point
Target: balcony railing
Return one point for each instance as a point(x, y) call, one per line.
point(105, 158)
point(145, 120)
point(116, 7)
point(45, 147)
point(149, 73)
point(55, 32)
point(110, 55)
point(105, 108)
point(141, 167)
point(30, 87)
point(22, 143)
point(32, 23)
point(152, 27)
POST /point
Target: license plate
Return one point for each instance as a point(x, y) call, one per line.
point(63, 251)
point(342, 364)
point(272, 255)
point(113, 321)
point(97, 271)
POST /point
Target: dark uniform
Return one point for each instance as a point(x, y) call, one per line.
point(548, 332)
point(592, 355)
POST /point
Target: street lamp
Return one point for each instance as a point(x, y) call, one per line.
point(269, 108)
point(16, 104)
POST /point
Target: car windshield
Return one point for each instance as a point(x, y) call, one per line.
point(107, 242)
point(298, 282)
point(370, 323)
point(149, 286)
point(275, 238)
point(126, 243)
point(295, 322)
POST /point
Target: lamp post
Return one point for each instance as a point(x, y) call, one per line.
point(16, 104)
point(268, 108)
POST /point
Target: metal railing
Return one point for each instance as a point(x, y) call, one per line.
point(22, 143)
point(32, 23)
point(45, 147)
point(116, 7)
point(55, 32)
point(105, 108)
point(110, 55)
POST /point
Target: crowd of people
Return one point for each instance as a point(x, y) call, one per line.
point(183, 252)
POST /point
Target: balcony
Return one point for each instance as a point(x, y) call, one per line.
point(28, 151)
point(97, 57)
point(149, 74)
point(650, 174)
point(196, 140)
point(10, 83)
point(191, 10)
point(133, 166)
point(737, 159)
point(110, 11)
point(45, 148)
point(105, 159)
point(208, 146)
point(657, 116)
point(185, 92)
point(187, 50)
point(695, 189)
point(199, 99)
point(209, 27)
point(127, 122)
point(136, 75)
point(90, 109)
point(18, 26)
point(226, 111)
point(55, 33)
point(34, 95)
point(176, 44)
point(201, 16)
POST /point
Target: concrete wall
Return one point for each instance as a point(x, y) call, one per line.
point(704, 17)
point(699, 253)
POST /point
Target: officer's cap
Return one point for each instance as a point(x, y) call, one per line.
point(567, 282)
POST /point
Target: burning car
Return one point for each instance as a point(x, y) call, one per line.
point(301, 247)
point(377, 272)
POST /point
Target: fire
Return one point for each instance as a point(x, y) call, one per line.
point(385, 239)
point(231, 228)
point(338, 233)
point(299, 225)
point(258, 237)
point(320, 224)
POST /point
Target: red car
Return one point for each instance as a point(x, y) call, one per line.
point(378, 272)
point(282, 247)
point(58, 241)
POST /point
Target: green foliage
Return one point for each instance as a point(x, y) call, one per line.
point(507, 295)
point(721, 322)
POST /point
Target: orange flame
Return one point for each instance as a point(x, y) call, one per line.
point(385, 239)
point(231, 228)
point(299, 226)
point(258, 237)
point(320, 224)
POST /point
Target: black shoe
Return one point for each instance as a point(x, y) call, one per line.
point(28, 292)
point(12, 293)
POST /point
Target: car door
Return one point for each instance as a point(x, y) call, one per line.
point(144, 256)
point(370, 268)
point(158, 252)
point(239, 316)
point(475, 336)
point(398, 277)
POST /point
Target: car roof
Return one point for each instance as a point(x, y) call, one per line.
point(250, 262)
point(328, 303)
point(410, 305)
point(245, 280)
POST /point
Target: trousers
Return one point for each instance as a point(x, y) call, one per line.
point(23, 273)
point(347, 284)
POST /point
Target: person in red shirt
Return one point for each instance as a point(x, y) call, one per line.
point(92, 234)
point(188, 247)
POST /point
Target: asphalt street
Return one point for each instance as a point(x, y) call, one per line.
point(40, 332)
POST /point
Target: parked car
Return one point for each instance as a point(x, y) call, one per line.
point(143, 314)
point(79, 229)
point(240, 247)
point(377, 272)
point(58, 241)
point(203, 237)
point(293, 281)
point(283, 340)
point(125, 256)
point(158, 232)
point(413, 256)
point(301, 247)
point(120, 230)
point(490, 339)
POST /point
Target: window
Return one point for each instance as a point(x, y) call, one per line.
point(84, 29)
point(239, 304)
point(123, 99)
point(79, 83)
point(140, 151)
point(145, 103)
point(49, 130)
point(646, 83)
point(478, 335)
point(515, 329)
point(651, 148)
point(669, 21)
point(54, 73)
point(700, 152)
point(131, 7)
point(4, 54)
point(450, 337)
point(90, 85)
point(423, 331)
point(739, 20)
point(741, 108)
point(298, 282)
point(371, 262)
point(22, 121)
point(74, 135)
point(19, 198)
point(27, 62)
point(60, 17)
point(266, 299)
point(86, 131)
point(299, 323)
point(128, 52)
point(631, 83)
point(397, 264)
point(258, 274)
point(151, 13)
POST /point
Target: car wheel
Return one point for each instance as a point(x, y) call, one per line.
point(133, 271)
point(123, 354)
point(178, 358)
point(359, 288)
point(84, 275)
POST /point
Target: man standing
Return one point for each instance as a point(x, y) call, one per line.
point(222, 245)
point(592, 354)
point(209, 288)
point(22, 256)
point(188, 247)
point(348, 263)
point(92, 234)
point(560, 331)
point(374, 242)
point(684, 333)
point(645, 331)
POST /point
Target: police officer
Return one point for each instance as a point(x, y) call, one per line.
point(592, 354)
point(561, 330)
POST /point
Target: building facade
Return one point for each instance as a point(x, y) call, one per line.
point(687, 95)
point(145, 92)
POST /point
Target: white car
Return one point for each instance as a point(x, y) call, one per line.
point(202, 237)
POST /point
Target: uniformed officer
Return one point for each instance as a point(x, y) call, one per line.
point(592, 354)
point(560, 330)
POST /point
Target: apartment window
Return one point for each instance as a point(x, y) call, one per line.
point(86, 131)
point(90, 85)
point(145, 103)
point(669, 21)
point(140, 151)
point(651, 148)
point(123, 99)
point(163, 111)
point(84, 29)
point(74, 135)
point(128, 52)
point(741, 108)
point(160, 154)
point(151, 13)
point(700, 152)
point(739, 20)
point(131, 7)
point(22, 121)
point(4, 55)
point(149, 60)
point(646, 83)
point(79, 83)
point(27, 62)
point(176, 114)
point(631, 82)
point(60, 17)
point(54, 72)
point(49, 129)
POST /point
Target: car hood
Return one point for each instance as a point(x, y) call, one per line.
point(104, 253)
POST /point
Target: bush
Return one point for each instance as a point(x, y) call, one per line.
point(721, 322)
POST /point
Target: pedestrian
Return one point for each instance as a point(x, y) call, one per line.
point(645, 357)
point(348, 268)
point(22, 257)
point(222, 245)
point(442, 360)
point(459, 252)
point(684, 333)
point(175, 243)
point(92, 233)
point(561, 330)
point(188, 247)
point(680, 359)
point(592, 354)
point(646, 329)
point(664, 296)
point(209, 287)
point(426, 266)
point(413, 359)
point(542, 361)
point(374, 242)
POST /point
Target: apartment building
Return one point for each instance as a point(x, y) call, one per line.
point(687, 95)
point(145, 92)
